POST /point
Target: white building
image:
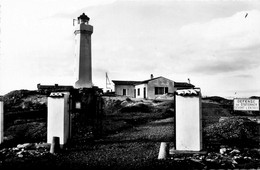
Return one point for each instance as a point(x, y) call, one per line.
point(149, 89)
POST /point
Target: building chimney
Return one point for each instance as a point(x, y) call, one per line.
point(151, 76)
point(83, 68)
point(188, 80)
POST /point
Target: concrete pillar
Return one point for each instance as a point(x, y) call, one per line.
point(55, 145)
point(164, 150)
point(83, 66)
point(1, 121)
point(58, 121)
point(188, 120)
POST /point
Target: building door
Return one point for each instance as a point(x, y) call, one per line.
point(144, 92)
point(124, 92)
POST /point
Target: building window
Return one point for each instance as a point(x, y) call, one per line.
point(138, 92)
point(160, 90)
point(166, 90)
point(124, 92)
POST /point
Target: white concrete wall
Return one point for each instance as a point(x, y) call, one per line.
point(129, 90)
point(67, 119)
point(188, 123)
point(141, 87)
point(58, 121)
point(160, 82)
point(1, 121)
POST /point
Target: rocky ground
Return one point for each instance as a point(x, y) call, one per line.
point(132, 133)
point(130, 149)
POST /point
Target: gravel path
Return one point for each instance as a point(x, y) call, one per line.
point(136, 148)
point(160, 130)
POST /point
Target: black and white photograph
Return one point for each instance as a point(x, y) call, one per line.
point(129, 84)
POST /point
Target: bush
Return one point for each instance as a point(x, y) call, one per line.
point(128, 99)
point(234, 130)
point(27, 132)
point(136, 108)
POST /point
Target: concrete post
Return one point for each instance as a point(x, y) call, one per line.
point(55, 145)
point(164, 150)
point(188, 122)
point(58, 121)
point(1, 121)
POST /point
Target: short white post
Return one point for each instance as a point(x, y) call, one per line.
point(1, 121)
point(188, 120)
point(164, 150)
point(55, 145)
point(58, 121)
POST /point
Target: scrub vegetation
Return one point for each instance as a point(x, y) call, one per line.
point(132, 130)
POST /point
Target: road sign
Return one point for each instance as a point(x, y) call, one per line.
point(246, 104)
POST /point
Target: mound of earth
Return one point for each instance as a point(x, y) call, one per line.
point(236, 131)
point(218, 100)
point(24, 100)
point(133, 131)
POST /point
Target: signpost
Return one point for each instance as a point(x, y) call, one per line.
point(245, 104)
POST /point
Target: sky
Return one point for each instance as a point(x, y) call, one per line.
point(215, 44)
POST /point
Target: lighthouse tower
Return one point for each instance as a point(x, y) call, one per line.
point(83, 69)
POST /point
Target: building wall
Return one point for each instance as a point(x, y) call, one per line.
point(132, 91)
point(129, 90)
point(141, 89)
point(160, 82)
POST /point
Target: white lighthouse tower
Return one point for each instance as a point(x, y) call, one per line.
point(83, 69)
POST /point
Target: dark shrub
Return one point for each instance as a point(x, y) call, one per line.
point(234, 131)
point(128, 99)
point(136, 108)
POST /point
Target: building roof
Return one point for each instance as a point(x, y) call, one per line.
point(183, 84)
point(146, 81)
point(122, 82)
point(83, 16)
point(52, 88)
point(176, 84)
